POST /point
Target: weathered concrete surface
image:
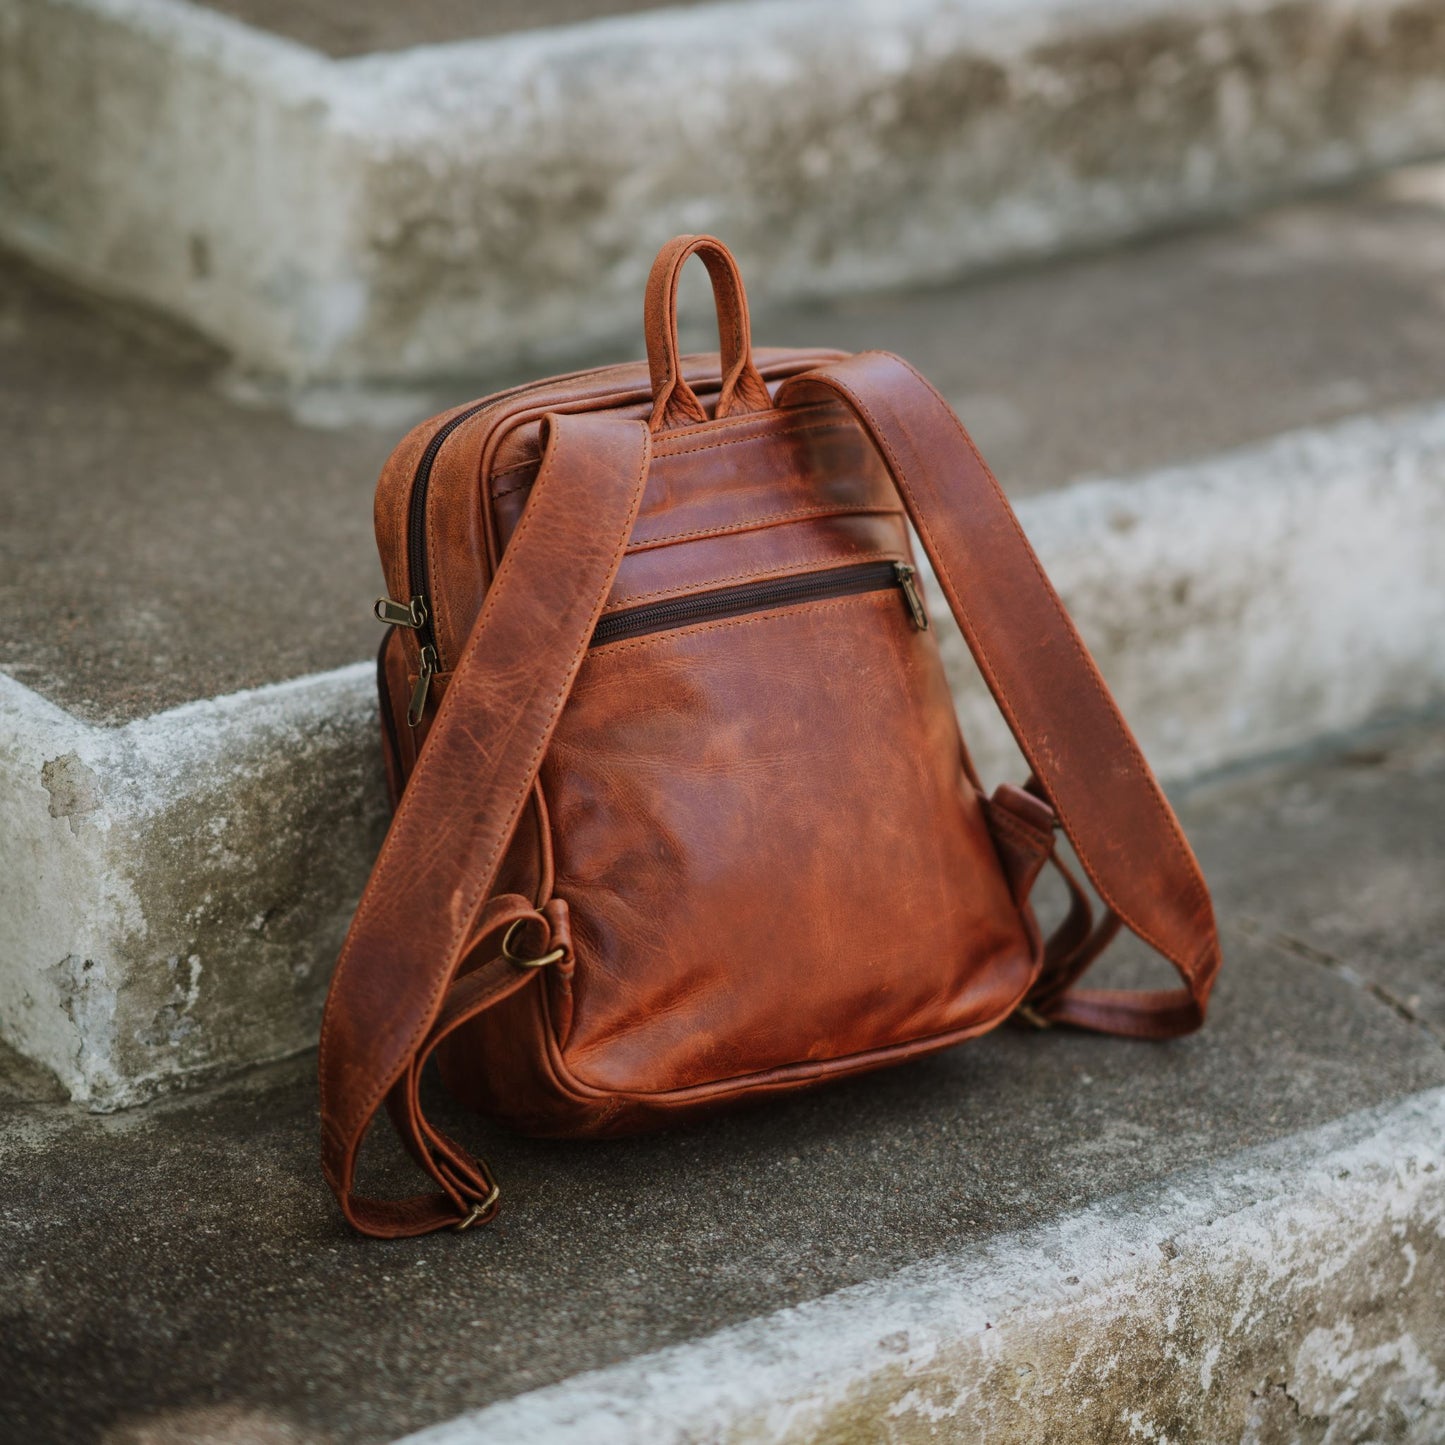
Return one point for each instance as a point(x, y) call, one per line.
point(1252, 601)
point(1381, 923)
point(176, 890)
point(1296, 1295)
point(359, 27)
point(161, 544)
point(460, 206)
point(179, 1272)
point(1177, 348)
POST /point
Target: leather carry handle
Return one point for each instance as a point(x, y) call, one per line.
point(428, 906)
point(743, 388)
point(1086, 761)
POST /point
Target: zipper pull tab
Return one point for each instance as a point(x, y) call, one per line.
point(904, 573)
point(400, 614)
point(423, 686)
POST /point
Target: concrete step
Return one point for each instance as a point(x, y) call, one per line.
point(1238, 1236)
point(498, 193)
point(189, 777)
point(365, 27)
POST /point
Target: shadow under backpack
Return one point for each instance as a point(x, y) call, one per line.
point(683, 816)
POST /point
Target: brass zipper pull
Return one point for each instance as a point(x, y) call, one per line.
point(904, 573)
point(400, 614)
point(423, 686)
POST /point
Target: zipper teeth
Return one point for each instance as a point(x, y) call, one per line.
point(418, 582)
point(749, 597)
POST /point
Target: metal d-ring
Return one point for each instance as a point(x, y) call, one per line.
point(556, 955)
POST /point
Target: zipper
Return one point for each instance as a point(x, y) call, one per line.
point(416, 558)
point(424, 676)
point(415, 613)
point(764, 597)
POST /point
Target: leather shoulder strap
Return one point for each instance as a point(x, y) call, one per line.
point(426, 908)
point(1047, 686)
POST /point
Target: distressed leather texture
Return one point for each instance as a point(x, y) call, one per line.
point(732, 845)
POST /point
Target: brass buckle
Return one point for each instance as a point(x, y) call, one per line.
point(477, 1210)
point(1033, 1016)
point(555, 956)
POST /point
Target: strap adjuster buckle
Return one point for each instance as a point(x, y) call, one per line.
point(478, 1210)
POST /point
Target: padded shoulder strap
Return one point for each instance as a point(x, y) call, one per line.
point(1047, 686)
point(428, 906)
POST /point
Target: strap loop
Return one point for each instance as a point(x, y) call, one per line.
point(555, 955)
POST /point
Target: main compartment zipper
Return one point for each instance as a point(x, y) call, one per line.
point(415, 612)
point(763, 597)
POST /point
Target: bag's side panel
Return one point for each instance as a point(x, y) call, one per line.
point(397, 749)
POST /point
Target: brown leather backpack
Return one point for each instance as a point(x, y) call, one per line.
point(683, 816)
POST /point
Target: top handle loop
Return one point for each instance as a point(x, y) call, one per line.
point(743, 389)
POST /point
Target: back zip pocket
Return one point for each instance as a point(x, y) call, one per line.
point(764, 597)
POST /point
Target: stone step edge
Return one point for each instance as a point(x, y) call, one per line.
point(182, 884)
point(1302, 1276)
point(381, 217)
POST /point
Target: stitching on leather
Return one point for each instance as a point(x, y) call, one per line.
point(1181, 847)
point(474, 897)
point(1131, 748)
point(945, 576)
point(1021, 831)
point(772, 568)
point(408, 798)
point(811, 426)
point(748, 523)
point(713, 445)
point(408, 801)
point(778, 1076)
point(807, 410)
